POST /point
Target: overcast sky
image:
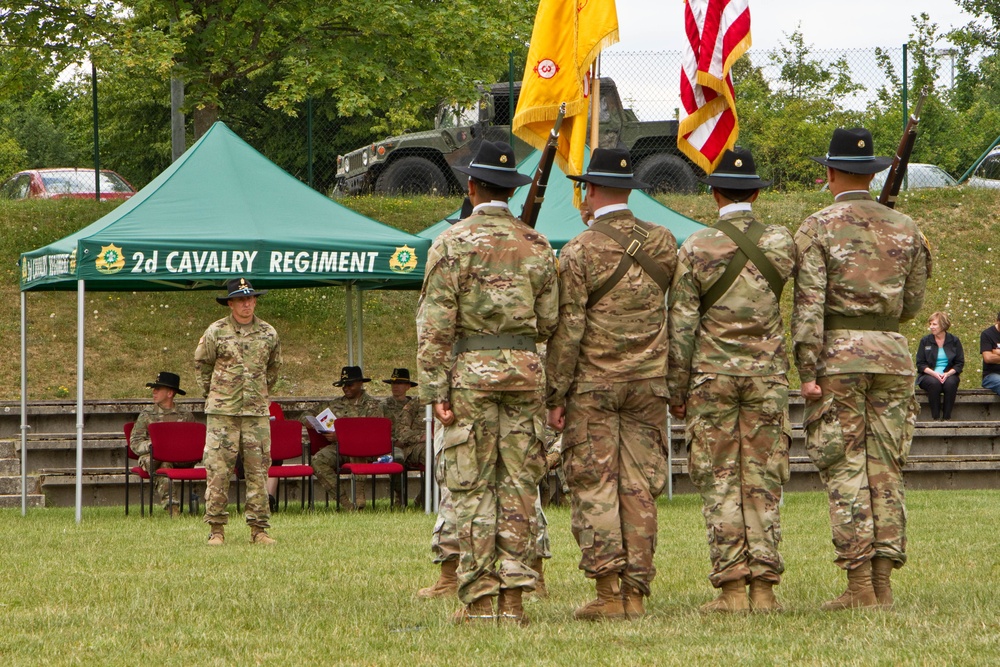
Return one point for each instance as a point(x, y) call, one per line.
point(659, 24)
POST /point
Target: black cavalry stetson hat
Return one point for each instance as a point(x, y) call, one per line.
point(168, 380)
point(611, 167)
point(495, 164)
point(400, 375)
point(351, 374)
point(853, 151)
point(736, 171)
point(238, 287)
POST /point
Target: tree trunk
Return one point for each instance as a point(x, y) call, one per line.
point(203, 119)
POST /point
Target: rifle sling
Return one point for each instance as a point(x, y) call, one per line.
point(632, 245)
point(747, 251)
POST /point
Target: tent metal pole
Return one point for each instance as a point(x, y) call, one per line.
point(24, 404)
point(670, 459)
point(361, 328)
point(349, 299)
point(80, 301)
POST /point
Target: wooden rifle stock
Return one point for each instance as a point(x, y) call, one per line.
point(897, 172)
point(536, 194)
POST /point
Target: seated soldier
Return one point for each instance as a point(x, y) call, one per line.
point(165, 387)
point(407, 415)
point(355, 402)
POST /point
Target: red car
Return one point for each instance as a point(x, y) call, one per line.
point(65, 182)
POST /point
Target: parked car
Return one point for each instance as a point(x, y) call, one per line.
point(918, 175)
point(65, 182)
point(987, 174)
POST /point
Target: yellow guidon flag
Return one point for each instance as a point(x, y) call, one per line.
point(567, 37)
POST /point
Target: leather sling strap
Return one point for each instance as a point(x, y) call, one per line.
point(747, 251)
point(632, 245)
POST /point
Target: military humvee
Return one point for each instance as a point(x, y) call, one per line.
point(424, 162)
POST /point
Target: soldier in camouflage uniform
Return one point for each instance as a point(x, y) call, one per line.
point(444, 542)
point(728, 382)
point(407, 415)
point(165, 387)
point(356, 402)
point(606, 370)
point(237, 361)
point(489, 296)
point(861, 270)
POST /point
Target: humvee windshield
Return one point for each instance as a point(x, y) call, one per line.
point(456, 115)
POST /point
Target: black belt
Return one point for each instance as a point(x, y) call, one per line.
point(862, 322)
point(495, 342)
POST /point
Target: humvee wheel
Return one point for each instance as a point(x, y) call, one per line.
point(412, 175)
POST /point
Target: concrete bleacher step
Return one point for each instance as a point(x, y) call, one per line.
point(32, 500)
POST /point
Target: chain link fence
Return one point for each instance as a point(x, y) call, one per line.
point(789, 100)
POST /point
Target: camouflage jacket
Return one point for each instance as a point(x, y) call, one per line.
point(364, 405)
point(487, 274)
point(856, 258)
point(238, 366)
point(743, 333)
point(624, 335)
point(407, 421)
point(154, 414)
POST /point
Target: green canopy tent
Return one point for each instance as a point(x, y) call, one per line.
point(560, 221)
point(220, 211)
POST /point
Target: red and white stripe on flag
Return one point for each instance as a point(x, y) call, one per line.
point(718, 33)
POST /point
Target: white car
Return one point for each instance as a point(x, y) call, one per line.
point(987, 174)
point(918, 175)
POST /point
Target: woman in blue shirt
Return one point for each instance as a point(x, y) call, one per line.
point(940, 361)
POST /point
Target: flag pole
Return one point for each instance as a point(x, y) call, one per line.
point(595, 103)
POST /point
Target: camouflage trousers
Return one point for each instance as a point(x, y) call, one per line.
point(228, 436)
point(325, 467)
point(491, 460)
point(859, 435)
point(162, 484)
point(444, 542)
point(738, 433)
point(614, 454)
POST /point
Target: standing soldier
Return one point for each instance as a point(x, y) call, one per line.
point(163, 409)
point(237, 361)
point(861, 270)
point(489, 296)
point(727, 380)
point(606, 369)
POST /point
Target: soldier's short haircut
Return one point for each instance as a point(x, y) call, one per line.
point(735, 195)
point(493, 191)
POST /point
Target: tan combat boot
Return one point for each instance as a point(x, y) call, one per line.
point(509, 608)
point(218, 535)
point(538, 565)
point(447, 583)
point(632, 602)
point(260, 536)
point(608, 605)
point(762, 600)
point(480, 611)
point(859, 593)
point(732, 599)
point(881, 571)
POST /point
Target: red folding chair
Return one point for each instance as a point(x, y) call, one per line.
point(277, 414)
point(286, 443)
point(179, 443)
point(138, 471)
point(366, 437)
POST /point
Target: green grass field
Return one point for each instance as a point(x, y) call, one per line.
point(338, 589)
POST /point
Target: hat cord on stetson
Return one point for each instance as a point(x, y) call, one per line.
point(850, 157)
point(610, 174)
point(477, 165)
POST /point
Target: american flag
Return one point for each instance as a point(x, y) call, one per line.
point(718, 33)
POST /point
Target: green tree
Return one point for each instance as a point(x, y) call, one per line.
point(386, 60)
